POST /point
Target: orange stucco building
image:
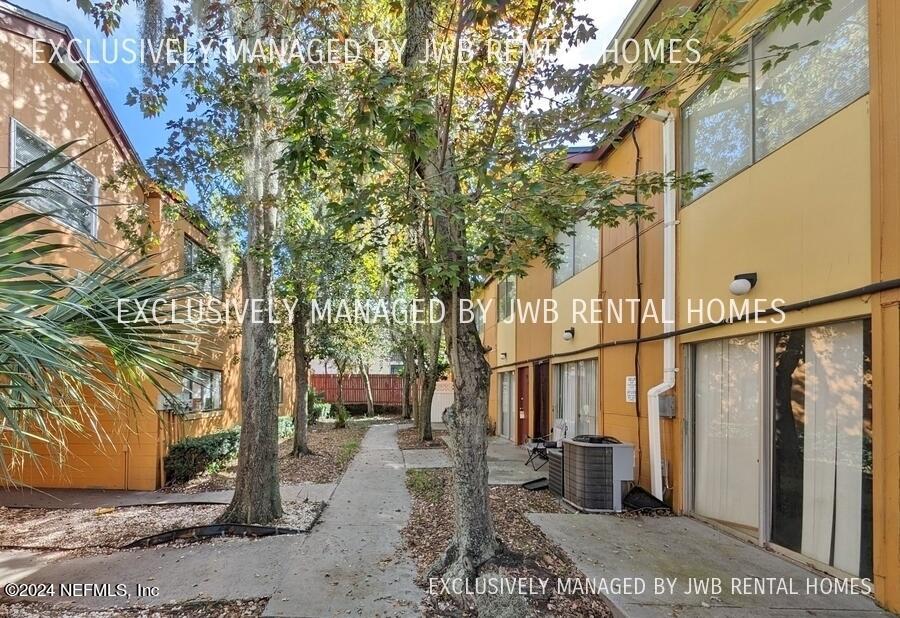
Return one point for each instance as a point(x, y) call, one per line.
point(43, 106)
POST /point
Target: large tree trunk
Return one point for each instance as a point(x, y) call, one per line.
point(428, 387)
point(414, 390)
point(370, 400)
point(341, 373)
point(474, 541)
point(406, 411)
point(257, 497)
point(301, 381)
point(429, 356)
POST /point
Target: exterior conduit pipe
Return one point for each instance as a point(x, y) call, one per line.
point(669, 369)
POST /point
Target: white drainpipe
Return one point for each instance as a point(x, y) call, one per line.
point(669, 369)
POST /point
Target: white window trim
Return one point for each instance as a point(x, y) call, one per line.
point(15, 125)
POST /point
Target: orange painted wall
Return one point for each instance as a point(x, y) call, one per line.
point(884, 35)
point(58, 111)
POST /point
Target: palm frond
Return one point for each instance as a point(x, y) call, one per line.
point(66, 353)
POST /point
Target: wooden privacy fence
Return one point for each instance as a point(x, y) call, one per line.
point(387, 390)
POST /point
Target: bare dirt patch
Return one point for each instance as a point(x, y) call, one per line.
point(409, 439)
point(196, 609)
point(531, 553)
point(111, 528)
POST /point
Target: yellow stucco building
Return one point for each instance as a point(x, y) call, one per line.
point(782, 429)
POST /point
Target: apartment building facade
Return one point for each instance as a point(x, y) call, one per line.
point(43, 106)
point(782, 430)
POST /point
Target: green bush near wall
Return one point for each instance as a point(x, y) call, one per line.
point(192, 456)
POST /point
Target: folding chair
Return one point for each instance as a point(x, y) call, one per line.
point(537, 447)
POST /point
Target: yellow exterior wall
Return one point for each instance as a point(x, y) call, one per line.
point(818, 216)
point(584, 286)
point(535, 341)
point(799, 219)
point(625, 420)
point(489, 340)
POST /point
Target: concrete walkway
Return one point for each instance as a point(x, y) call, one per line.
point(687, 551)
point(98, 498)
point(353, 562)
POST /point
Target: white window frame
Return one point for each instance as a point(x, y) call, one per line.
point(16, 126)
point(188, 389)
point(511, 416)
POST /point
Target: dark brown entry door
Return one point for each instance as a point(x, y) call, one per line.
point(522, 407)
point(541, 418)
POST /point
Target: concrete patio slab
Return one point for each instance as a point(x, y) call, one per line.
point(681, 552)
point(98, 498)
point(506, 462)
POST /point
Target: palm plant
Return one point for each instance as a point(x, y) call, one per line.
point(68, 351)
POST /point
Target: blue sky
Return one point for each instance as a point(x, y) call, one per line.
point(148, 133)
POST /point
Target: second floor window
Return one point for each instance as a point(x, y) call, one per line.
point(71, 198)
point(506, 297)
point(727, 129)
point(197, 261)
point(579, 250)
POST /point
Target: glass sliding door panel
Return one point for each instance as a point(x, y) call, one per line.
point(587, 397)
point(726, 430)
point(822, 483)
point(506, 403)
point(788, 427)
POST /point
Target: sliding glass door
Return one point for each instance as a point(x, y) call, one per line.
point(809, 394)
point(507, 401)
point(822, 447)
point(727, 430)
point(576, 396)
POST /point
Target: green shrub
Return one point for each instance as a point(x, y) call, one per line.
point(285, 426)
point(318, 410)
point(340, 416)
point(192, 456)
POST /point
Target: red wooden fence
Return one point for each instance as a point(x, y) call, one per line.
point(387, 390)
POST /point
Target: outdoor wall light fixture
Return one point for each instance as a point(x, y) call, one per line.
point(742, 284)
point(502, 355)
point(569, 334)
